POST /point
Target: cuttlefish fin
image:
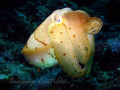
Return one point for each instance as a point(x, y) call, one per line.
point(93, 25)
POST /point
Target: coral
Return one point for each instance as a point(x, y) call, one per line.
point(115, 27)
point(12, 70)
point(10, 50)
point(47, 79)
point(3, 76)
point(114, 45)
point(72, 4)
point(89, 11)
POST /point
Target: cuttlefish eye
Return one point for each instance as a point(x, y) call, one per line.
point(57, 19)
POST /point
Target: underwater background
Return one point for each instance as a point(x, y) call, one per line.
point(19, 19)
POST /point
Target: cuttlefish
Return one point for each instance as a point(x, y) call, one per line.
point(66, 37)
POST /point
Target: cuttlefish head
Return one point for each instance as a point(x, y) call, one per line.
point(66, 37)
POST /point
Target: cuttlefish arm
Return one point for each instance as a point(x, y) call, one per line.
point(64, 51)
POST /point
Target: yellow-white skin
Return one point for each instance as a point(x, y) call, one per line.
point(66, 37)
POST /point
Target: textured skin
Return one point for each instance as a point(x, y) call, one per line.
point(65, 37)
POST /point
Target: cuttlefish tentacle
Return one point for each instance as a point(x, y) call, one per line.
point(65, 56)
